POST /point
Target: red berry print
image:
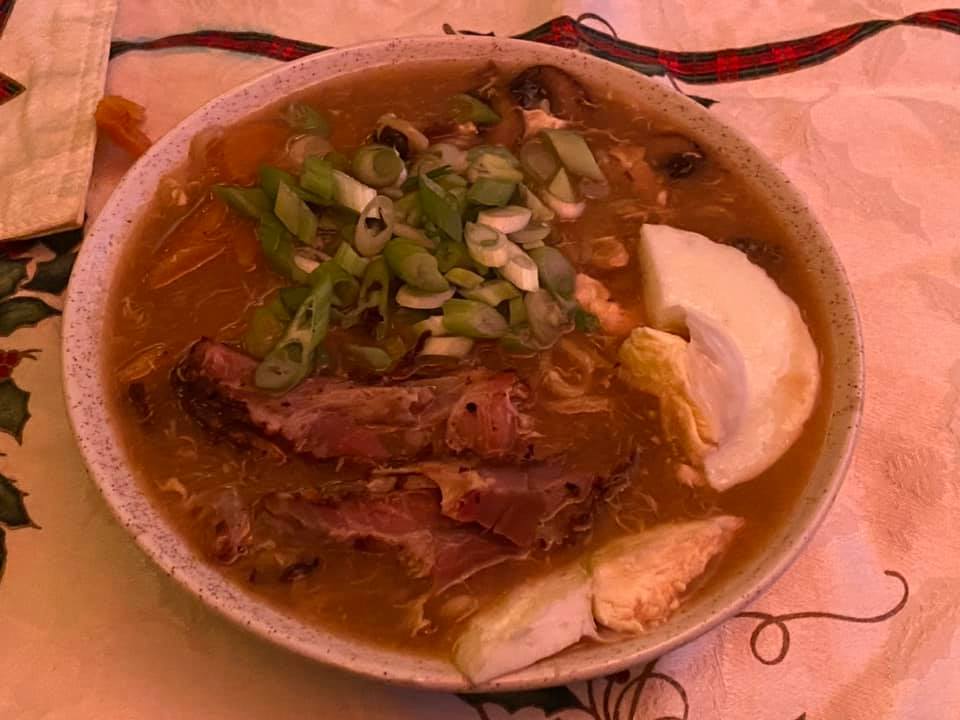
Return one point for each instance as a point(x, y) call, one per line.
point(9, 359)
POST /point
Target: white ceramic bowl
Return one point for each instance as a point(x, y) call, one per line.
point(98, 436)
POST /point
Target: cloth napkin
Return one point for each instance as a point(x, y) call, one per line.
point(58, 52)
point(865, 625)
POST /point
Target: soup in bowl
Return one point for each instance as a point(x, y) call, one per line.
point(463, 372)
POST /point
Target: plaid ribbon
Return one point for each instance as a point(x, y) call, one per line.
point(703, 68)
point(732, 64)
point(696, 68)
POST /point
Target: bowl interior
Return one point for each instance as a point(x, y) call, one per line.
point(98, 435)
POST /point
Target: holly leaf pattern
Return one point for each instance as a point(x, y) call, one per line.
point(549, 700)
point(63, 242)
point(11, 273)
point(13, 512)
point(3, 552)
point(13, 409)
point(20, 312)
point(52, 276)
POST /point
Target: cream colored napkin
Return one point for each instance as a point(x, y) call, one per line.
point(59, 51)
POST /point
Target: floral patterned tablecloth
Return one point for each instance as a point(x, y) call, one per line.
point(865, 625)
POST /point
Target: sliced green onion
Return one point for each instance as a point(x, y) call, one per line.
point(277, 246)
point(407, 208)
point(533, 233)
point(457, 347)
point(345, 286)
point(351, 193)
point(411, 297)
point(452, 182)
point(449, 155)
point(521, 270)
point(292, 298)
point(252, 202)
point(373, 357)
point(500, 151)
point(292, 359)
point(264, 330)
point(417, 235)
point(548, 321)
point(451, 254)
point(338, 161)
point(518, 311)
point(432, 325)
point(272, 177)
point(377, 165)
point(556, 272)
point(466, 108)
point(565, 210)
point(441, 208)
point(434, 171)
point(539, 211)
point(494, 165)
point(574, 153)
point(295, 215)
point(492, 292)
point(374, 226)
point(493, 193)
point(561, 187)
point(471, 318)
point(415, 266)
point(539, 160)
point(317, 178)
point(347, 258)
point(459, 195)
point(486, 245)
point(301, 116)
point(463, 278)
point(375, 292)
point(510, 219)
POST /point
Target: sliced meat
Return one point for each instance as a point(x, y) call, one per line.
point(538, 503)
point(484, 418)
point(409, 522)
point(332, 418)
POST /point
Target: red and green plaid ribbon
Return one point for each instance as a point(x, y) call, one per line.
point(697, 68)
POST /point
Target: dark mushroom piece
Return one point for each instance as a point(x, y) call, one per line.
point(549, 88)
point(392, 137)
point(674, 155)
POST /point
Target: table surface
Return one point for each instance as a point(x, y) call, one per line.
point(864, 625)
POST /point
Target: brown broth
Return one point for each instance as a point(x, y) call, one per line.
point(365, 593)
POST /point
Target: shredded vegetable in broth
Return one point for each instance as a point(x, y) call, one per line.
point(366, 346)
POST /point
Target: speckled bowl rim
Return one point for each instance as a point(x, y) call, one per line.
point(102, 450)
